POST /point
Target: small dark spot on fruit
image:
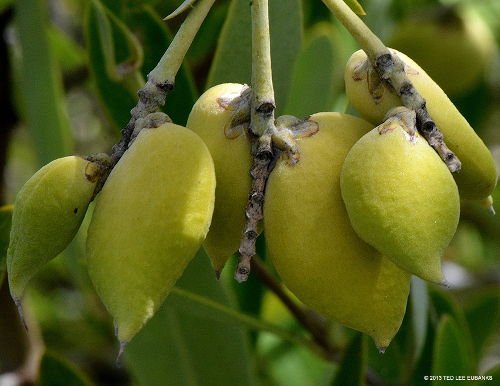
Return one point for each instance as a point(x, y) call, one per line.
point(75, 210)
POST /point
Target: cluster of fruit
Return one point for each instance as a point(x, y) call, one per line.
point(346, 226)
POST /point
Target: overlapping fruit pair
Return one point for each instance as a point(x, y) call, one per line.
point(149, 220)
point(346, 226)
point(363, 209)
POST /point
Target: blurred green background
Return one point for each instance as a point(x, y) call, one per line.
point(69, 73)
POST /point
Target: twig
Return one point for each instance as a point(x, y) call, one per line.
point(262, 155)
point(262, 126)
point(162, 78)
point(390, 68)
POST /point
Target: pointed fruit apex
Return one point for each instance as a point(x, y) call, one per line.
point(492, 210)
point(445, 284)
point(381, 350)
point(123, 343)
point(217, 274)
point(17, 301)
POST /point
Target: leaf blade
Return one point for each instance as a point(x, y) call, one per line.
point(195, 350)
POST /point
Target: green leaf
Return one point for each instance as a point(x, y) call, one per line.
point(483, 316)
point(355, 6)
point(107, 24)
point(450, 352)
point(181, 347)
point(389, 365)
point(445, 304)
point(352, 366)
point(117, 97)
point(5, 224)
point(312, 86)
point(233, 56)
point(57, 371)
point(40, 81)
point(70, 55)
point(420, 313)
point(423, 366)
point(155, 39)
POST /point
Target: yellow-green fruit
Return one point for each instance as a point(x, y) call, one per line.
point(149, 220)
point(209, 118)
point(455, 47)
point(401, 197)
point(48, 211)
point(478, 176)
point(312, 244)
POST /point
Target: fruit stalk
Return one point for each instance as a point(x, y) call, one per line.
point(262, 127)
point(162, 78)
point(390, 69)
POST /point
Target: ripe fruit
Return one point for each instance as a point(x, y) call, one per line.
point(149, 220)
point(312, 244)
point(459, 58)
point(230, 149)
point(48, 211)
point(400, 196)
point(478, 176)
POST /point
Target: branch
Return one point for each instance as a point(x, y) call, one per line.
point(162, 78)
point(262, 127)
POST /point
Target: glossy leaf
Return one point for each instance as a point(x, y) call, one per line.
point(5, 224)
point(389, 365)
point(57, 371)
point(483, 317)
point(41, 83)
point(312, 88)
point(69, 54)
point(117, 98)
point(420, 312)
point(155, 39)
point(178, 347)
point(450, 352)
point(232, 61)
point(108, 24)
point(352, 366)
point(444, 303)
point(423, 366)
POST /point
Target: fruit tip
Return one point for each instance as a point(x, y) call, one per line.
point(445, 284)
point(217, 274)
point(381, 350)
point(17, 302)
point(492, 210)
point(123, 343)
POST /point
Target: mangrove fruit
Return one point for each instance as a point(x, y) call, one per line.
point(313, 246)
point(400, 196)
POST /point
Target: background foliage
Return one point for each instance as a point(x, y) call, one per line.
point(70, 70)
